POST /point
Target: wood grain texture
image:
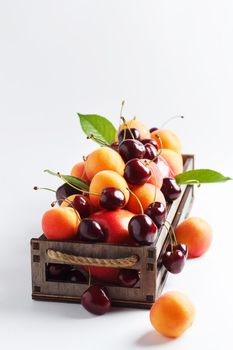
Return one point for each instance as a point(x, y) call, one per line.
point(152, 274)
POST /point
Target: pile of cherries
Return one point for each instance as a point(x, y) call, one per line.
point(142, 227)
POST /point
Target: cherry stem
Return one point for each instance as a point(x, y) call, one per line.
point(153, 173)
point(125, 124)
point(122, 106)
point(138, 200)
point(170, 236)
point(93, 137)
point(172, 229)
point(43, 188)
point(168, 120)
point(75, 187)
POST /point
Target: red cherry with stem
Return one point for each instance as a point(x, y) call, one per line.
point(179, 246)
point(130, 149)
point(90, 231)
point(174, 261)
point(171, 190)
point(76, 276)
point(151, 141)
point(128, 133)
point(151, 152)
point(112, 198)
point(82, 205)
point(157, 212)
point(128, 278)
point(136, 172)
point(96, 300)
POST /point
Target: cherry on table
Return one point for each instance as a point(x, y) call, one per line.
point(142, 229)
point(96, 300)
point(136, 172)
point(112, 198)
point(131, 133)
point(128, 278)
point(157, 212)
point(130, 149)
point(90, 231)
point(171, 190)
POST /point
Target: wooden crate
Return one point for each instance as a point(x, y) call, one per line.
point(152, 273)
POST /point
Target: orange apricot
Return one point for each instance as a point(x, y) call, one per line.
point(60, 223)
point(169, 139)
point(78, 170)
point(156, 175)
point(135, 123)
point(196, 233)
point(172, 314)
point(174, 160)
point(104, 158)
point(103, 179)
point(146, 195)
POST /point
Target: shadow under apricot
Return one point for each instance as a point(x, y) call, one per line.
point(152, 338)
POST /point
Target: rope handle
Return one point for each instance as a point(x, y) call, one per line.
point(88, 261)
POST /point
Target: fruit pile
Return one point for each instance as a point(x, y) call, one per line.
point(119, 194)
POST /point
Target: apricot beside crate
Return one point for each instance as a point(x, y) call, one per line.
point(152, 273)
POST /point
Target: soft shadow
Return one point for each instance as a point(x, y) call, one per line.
point(152, 338)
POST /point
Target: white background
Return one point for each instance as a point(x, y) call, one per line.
point(61, 57)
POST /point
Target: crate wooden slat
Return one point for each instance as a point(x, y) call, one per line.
point(153, 274)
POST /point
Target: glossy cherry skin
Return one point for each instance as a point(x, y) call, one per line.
point(96, 300)
point(82, 205)
point(125, 134)
point(174, 261)
point(179, 246)
point(128, 278)
point(171, 190)
point(65, 191)
point(142, 229)
point(57, 271)
point(115, 146)
point(90, 231)
point(130, 149)
point(151, 152)
point(136, 172)
point(112, 198)
point(76, 276)
point(151, 141)
point(153, 129)
point(157, 212)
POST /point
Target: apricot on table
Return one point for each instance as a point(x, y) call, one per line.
point(135, 123)
point(196, 233)
point(104, 158)
point(146, 195)
point(172, 314)
point(79, 171)
point(60, 223)
point(103, 179)
point(169, 139)
point(174, 160)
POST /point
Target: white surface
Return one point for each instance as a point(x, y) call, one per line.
point(164, 58)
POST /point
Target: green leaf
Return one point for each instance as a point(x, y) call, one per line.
point(199, 176)
point(72, 180)
point(102, 129)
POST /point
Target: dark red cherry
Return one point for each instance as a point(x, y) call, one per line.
point(112, 198)
point(57, 271)
point(174, 261)
point(153, 129)
point(90, 231)
point(96, 300)
point(81, 204)
point(76, 276)
point(128, 278)
point(126, 133)
point(130, 149)
point(151, 151)
point(65, 191)
point(151, 141)
point(142, 229)
point(157, 212)
point(115, 146)
point(136, 172)
point(171, 190)
point(179, 246)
